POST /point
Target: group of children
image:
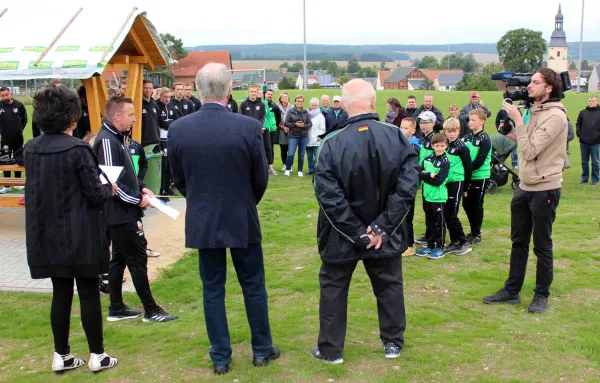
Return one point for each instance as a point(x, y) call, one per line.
point(453, 166)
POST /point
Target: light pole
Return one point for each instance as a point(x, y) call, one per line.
point(305, 71)
point(580, 49)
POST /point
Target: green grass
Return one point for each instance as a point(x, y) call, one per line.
point(451, 335)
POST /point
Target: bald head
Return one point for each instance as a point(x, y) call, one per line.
point(358, 97)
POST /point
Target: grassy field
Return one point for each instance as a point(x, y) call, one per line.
point(451, 335)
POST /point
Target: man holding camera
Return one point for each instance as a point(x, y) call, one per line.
point(542, 154)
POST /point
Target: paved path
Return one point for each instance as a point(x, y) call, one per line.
point(14, 272)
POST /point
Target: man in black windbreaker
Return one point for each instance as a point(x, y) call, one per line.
point(124, 216)
point(150, 130)
point(232, 104)
point(187, 93)
point(13, 118)
point(362, 223)
point(182, 105)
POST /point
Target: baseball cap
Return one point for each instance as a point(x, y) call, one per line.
point(474, 94)
point(337, 98)
point(427, 116)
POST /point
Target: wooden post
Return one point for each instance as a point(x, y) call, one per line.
point(102, 93)
point(91, 92)
point(3, 11)
point(135, 91)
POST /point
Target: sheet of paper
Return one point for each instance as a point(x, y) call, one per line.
point(112, 172)
point(168, 210)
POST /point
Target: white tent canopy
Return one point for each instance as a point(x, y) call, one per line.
point(81, 51)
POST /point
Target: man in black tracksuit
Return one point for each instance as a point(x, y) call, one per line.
point(166, 115)
point(358, 223)
point(182, 105)
point(254, 107)
point(232, 104)
point(13, 118)
point(187, 93)
point(124, 214)
point(150, 130)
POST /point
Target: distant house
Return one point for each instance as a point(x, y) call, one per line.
point(415, 83)
point(594, 81)
point(433, 74)
point(370, 80)
point(583, 80)
point(324, 79)
point(399, 78)
point(447, 81)
point(186, 69)
point(382, 75)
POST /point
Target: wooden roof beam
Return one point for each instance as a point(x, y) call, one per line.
point(139, 45)
point(37, 62)
point(2, 12)
point(117, 35)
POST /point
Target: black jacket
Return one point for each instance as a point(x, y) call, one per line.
point(83, 124)
point(255, 109)
point(221, 191)
point(197, 103)
point(366, 175)
point(166, 115)
point(182, 107)
point(588, 126)
point(331, 119)
point(458, 148)
point(232, 105)
point(13, 118)
point(64, 234)
point(140, 162)
point(111, 149)
point(439, 117)
point(294, 116)
point(150, 128)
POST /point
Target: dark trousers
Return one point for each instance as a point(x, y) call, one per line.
point(273, 138)
point(410, 232)
point(455, 192)
point(532, 212)
point(14, 144)
point(435, 224)
point(283, 151)
point(473, 205)
point(267, 144)
point(386, 279)
point(250, 271)
point(129, 249)
point(587, 152)
point(310, 153)
point(166, 183)
point(91, 313)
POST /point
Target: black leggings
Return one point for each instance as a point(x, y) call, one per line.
point(91, 313)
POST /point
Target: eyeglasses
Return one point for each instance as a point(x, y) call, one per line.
point(422, 122)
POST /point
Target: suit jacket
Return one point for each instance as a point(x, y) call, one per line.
point(218, 163)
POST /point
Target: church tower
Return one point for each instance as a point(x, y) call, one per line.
point(557, 49)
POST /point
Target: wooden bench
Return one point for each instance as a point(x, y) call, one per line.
point(11, 200)
point(4, 181)
point(12, 168)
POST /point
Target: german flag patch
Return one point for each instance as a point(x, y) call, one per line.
point(363, 128)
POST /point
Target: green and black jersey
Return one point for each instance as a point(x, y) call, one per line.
point(460, 162)
point(426, 148)
point(480, 147)
point(434, 188)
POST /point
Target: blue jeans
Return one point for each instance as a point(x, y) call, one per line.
point(514, 157)
point(588, 151)
point(310, 152)
point(300, 143)
point(250, 271)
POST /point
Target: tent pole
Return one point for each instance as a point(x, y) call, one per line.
point(117, 35)
point(2, 12)
point(57, 37)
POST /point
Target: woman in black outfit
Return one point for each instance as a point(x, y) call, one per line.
point(64, 234)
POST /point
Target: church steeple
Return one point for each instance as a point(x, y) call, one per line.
point(558, 21)
point(558, 38)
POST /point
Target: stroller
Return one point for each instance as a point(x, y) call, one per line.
point(502, 146)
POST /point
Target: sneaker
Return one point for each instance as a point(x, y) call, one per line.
point(595, 183)
point(317, 355)
point(539, 304)
point(287, 173)
point(452, 248)
point(423, 252)
point(310, 172)
point(124, 313)
point(410, 251)
point(300, 174)
point(283, 169)
point(273, 172)
point(502, 296)
point(99, 362)
point(5, 190)
point(421, 241)
point(436, 254)
point(464, 249)
point(392, 350)
point(152, 253)
point(160, 315)
point(221, 369)
point(259, 361)
point(580, 181)
point(66, 362)
point(19, 187)
point(474, 239)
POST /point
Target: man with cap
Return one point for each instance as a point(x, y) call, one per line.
point(335, 114)
point(475, 103)
point(429, 107)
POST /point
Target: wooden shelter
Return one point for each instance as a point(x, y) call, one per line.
point(93, 40)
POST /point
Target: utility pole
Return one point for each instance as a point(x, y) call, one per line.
point(580, 49)
point(305, 69)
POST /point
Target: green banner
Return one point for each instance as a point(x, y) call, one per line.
point(74, 64)
point(33, 49)
point(67, 48)
point(100, 48)
point(41, 65)
point(6, 50)
point(9, 65)
point(102, 64)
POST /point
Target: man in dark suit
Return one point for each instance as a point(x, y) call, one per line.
point(218, 164)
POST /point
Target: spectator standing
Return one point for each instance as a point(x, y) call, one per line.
point(318, 128)
point(476, 103)
point(232, 105)
point(298, 122)
point(464, 125)
point(13, 118)
point(272, 121)
point(182, 105)
point(396, 112)
point(429, 107)
point(253, 107)
point(167, 114)
point(150, 127)
point(283, 138)
point(187, 93)
point(335, 115)
point(588, 131)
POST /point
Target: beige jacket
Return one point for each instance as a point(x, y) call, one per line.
point(542, 147)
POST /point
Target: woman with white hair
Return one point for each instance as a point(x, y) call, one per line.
point(317, 129)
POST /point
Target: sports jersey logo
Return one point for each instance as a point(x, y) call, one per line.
point(229, 106)
point(247, 108)
point(15, 110)
point(170, 112)
point(176, 107)
point(257, 107)
point(185, 107)
point(154, 110)
point(144, 111)
point(132, 151)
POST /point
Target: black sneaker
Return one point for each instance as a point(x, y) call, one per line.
point(159, 315)
point(221, 369)
point(260, 361)
point(122, 314)
point(464, 249)
point(539, 304)
point(452, 248)
point(583, 182)
point(392, 350)
point(502, 296)
point(421, 241)
point(474, 239)
point(317, 355)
